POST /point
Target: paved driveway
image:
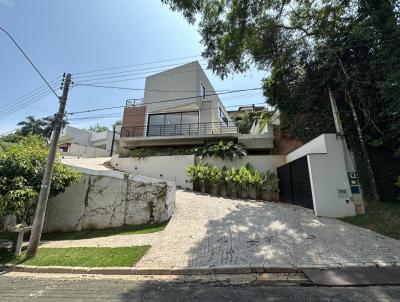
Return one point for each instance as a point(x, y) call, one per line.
point(216, 231)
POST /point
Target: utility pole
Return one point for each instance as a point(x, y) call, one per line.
point(37, 226)
point(373, 188)
point(112, 143)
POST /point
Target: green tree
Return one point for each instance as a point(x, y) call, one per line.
point(21, 171)
point(32, 126)
point(14, 137)
point(307, 47)
point(50, 124)
point(98, 128)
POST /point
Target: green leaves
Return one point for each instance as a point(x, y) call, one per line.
point(222, 150)
point(21, 171)
point(242, 178)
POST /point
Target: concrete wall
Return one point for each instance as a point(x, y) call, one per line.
point(328, 176)
point(83, 137)
point(105, 199)
point(86, 152)
point(180, 83)
point(261, 162)
point(80, 136)
point(316, 146)
point(172, 168)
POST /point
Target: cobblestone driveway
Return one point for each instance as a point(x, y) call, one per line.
point(214, 231)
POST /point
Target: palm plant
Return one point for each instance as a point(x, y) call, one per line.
point(50, 124)
point(31, 125)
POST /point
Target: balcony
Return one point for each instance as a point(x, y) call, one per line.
point(193, 129)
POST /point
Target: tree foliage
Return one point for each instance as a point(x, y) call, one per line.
point(222, 150)
point(34, 126)
point(307, 47)
point(98, 128)
point(21, 171)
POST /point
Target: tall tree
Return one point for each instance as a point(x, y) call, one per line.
point(31, 125)
point(50, 124)
point(349, 46)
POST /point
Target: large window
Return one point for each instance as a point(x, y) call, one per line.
point(177, 123)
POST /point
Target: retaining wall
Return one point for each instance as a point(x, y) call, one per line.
point(105, 199)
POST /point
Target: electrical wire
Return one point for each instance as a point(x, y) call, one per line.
point(118, 114)
point(26, 96)
point(164, 101)
point(26, 57)
point(132, 65)
point(23, 105)
point(135, 89)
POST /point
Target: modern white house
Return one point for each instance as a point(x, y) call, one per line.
point(83, 142)
point(181, 108)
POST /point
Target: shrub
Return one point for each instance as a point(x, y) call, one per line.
point(234, 180)
point(211, 177)
point(143, 152)
point(223, 150)
point(21, 171)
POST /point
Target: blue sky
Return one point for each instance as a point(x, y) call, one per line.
point(77, 36)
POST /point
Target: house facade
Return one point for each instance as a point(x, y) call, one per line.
point(73, 139)
point(180, 107)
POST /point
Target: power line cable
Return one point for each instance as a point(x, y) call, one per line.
point(169, 100)
point(317, 45)
point(135, 89)
point(26, 57)
point(134, 70)
point(147, 73)
point(27, 96)
point(132, 65)
point(118, 114)
point(23, 105)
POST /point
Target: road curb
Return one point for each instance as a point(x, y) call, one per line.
point(203, 270)
point(147, 271)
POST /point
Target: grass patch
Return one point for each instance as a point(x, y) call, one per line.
point(87, 234)
point(383, 218)
point(84, 256)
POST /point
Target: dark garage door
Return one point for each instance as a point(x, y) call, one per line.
point(294, 183)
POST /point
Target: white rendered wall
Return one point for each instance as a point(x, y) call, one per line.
point(328, 176)
point(261, 162)
point(316, 146)
point(80, 136)
point(172, 168)
point(86, 152)
point(180, 83)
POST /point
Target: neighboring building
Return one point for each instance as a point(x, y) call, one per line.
point(72, 137)
point(241, 111)
point(181, 107)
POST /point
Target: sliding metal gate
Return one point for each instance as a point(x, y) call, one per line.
point(294, 183)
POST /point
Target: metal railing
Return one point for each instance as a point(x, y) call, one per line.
point(134, 102)
point(180, 129)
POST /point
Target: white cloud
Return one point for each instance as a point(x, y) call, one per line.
point(9, 3)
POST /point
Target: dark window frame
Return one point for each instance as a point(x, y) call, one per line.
point(164, 114)
point(223, 116)
point(202, 91)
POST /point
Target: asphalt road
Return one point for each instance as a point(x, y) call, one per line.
point(20, 288)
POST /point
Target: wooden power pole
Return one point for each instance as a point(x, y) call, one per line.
point(37, 226)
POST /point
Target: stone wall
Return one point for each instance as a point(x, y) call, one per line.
point(106, 201)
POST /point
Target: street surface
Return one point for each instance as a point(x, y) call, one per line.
point(22, 287)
